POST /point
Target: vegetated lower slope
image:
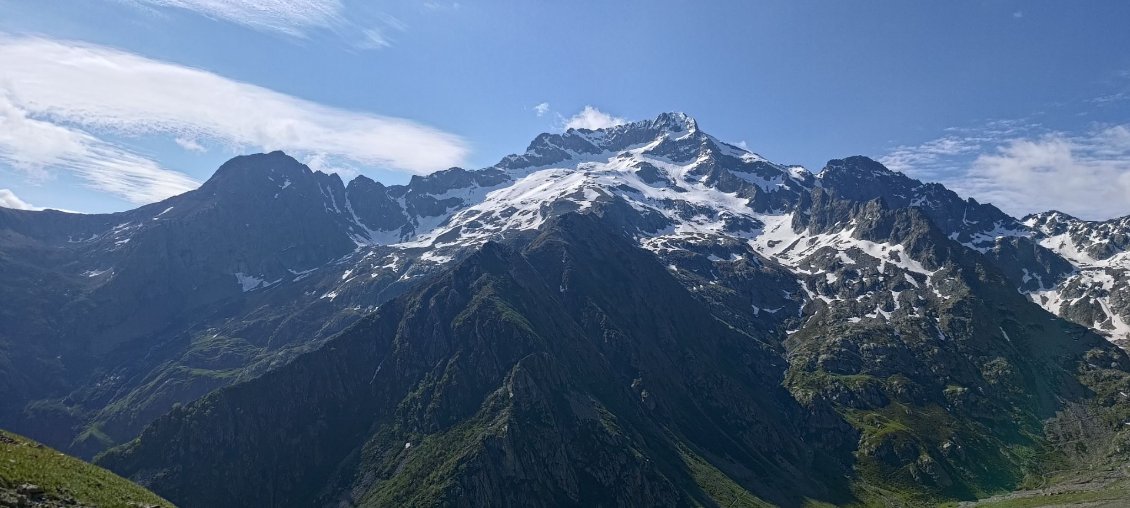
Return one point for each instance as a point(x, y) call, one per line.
point(575, 372)
point(958, 384)
point(111, 319)
point(582, 371)
point(34, 475)
point(1104, 488)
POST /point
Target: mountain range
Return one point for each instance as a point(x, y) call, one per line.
point(638, 315)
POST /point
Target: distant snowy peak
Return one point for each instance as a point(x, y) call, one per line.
point(1085, 243)
point(1095, 292)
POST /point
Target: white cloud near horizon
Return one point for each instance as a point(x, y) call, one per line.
point(58, 97)
point(1086, 174)
point(9, 199)
point(592, 118)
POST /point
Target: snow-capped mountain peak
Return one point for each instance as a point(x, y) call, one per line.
point(680, 192)
point(675, 122)
point(671, 175)
point(553, 148)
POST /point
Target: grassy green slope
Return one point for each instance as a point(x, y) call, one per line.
point(63, 478)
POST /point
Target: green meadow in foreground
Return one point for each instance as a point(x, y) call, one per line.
point(43, 474)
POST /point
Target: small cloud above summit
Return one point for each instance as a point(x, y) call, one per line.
point(592, 118)
point(541, 109)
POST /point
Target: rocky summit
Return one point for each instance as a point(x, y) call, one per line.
point(641, 315)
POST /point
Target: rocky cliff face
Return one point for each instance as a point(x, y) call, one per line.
point(515, 379)
point(113, 319)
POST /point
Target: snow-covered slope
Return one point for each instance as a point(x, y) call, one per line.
point(1097, 292)
point(682, 181)
point(677, 188)
point(680, 192)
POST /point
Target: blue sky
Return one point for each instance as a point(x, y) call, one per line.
point(107, 104)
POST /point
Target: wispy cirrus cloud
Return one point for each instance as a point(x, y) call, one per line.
point(592, 118)
point(36, 146)
point(1111, 98)
point(432, 5)
point(291, 17)
point(60, 100)
point(1119, 93)
point(361, 27)
point(929, 154)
